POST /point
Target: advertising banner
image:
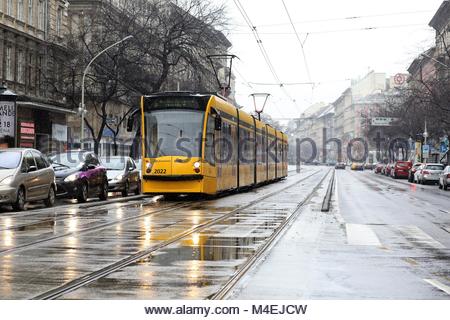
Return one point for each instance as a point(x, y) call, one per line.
point(7, 119)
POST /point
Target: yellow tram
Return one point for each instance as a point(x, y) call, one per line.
point(201, 144)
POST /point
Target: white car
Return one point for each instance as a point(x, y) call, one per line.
point(428, 172)
point(444, 178)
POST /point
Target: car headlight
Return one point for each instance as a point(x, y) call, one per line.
point(119, 177)
point(71, 178)
point(6, 181)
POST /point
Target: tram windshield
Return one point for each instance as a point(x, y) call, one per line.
point(173, 132)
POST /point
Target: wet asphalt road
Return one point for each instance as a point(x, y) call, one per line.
point(41, 251)
point(383, 239)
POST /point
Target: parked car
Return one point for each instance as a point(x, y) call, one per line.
point(357, 166)
point(340, 165)
point(138, 163)
point(80, 175)
point(378, 167)
point(387, 169)
point(400, 169)
point(413, 170)
point(444, 178)
point(25, 175)
point(428, 173)
point(123, 175)
point(369, 166)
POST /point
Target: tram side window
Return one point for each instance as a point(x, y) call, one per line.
point(226, 143)
point(260, 148)
point(272, 154)
point(209, 143)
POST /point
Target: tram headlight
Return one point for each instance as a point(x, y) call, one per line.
point(197, 166)
point(148, 167)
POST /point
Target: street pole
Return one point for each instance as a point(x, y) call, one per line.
point(82, 108)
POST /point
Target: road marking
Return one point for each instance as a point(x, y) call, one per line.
point(439, 285)
point(417, 236)
point(361, 235)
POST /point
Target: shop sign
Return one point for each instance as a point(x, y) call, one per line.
point(27, 134)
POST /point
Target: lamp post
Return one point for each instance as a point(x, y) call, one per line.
point(82, 108)
point(261, 103)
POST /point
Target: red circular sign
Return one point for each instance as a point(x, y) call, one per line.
point(399, 79)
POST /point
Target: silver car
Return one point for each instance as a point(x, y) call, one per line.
point(444, 179)
point(25, 175)
point(428, 172)
point(123, 175)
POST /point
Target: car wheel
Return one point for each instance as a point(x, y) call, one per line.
point(104, 192)
point(138, 188)
point(82, 192)
point(126, 188)
point(19, 205)
point(50, 201)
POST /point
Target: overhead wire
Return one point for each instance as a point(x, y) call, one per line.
point(263, 50)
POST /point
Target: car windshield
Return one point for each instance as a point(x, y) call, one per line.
point(68, 160)
point(9, 159)
point(402, 164)
point(434, 167)
point(114, 163)
point(173, 132)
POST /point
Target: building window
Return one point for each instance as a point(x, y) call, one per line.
point(41, 11)
point(30, 12)
point(59, 18)
point(21, 67)
point(20, 10)
point(9, 7)
point(30, 71)
point(9, 66)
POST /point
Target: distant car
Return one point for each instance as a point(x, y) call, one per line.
point(139, 166)
point(80, 175)
point(444, 178)
point(25, 175)
point(413, 170)
point(369, 166)
point(428, 173)
point(315, 163)
point(378, 167)
point(357, 166)
point(340, 165)
point(400, 169)
point(123, 175)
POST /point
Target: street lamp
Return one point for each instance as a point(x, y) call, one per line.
point(261, 103)
point(82, 109)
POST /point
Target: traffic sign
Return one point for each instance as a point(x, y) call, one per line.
point(382, 121)
point(426, 151)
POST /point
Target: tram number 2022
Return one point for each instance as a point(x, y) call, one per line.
point(159, 171)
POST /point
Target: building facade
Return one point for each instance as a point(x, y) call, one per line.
point(31, 37)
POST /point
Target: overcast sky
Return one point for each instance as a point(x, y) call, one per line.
point(336, 48)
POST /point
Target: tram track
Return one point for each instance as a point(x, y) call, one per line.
point(263, 249)
point(105, 271)
point(67, 217)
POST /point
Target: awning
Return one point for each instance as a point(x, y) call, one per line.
point(43, 106)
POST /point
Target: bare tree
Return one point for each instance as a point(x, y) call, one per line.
point(170, 39)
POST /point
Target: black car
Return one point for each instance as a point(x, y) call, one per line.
point(79, 175)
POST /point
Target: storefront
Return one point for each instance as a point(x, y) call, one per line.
point(27, 124)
